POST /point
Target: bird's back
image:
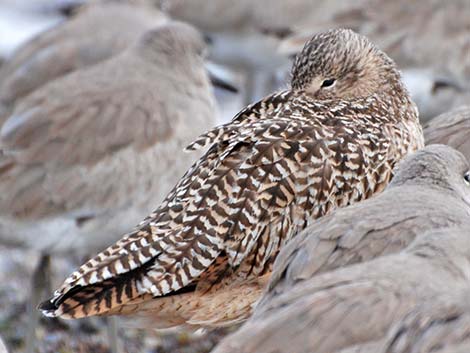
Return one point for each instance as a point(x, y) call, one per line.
point(96, 33)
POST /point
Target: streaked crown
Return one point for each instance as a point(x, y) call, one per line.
point(340, 63)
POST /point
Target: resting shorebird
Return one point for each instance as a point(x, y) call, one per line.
point(83, 157)
point(97, 32)
point(202, 255)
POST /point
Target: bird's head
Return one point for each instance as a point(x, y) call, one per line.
point(438, 166)
point(173, 41)
point(342, 64)
point(179, 46)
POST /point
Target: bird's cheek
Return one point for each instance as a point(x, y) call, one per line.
point(323, 94)
point(314, 89)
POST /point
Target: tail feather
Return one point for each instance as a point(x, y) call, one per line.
point(95, 299)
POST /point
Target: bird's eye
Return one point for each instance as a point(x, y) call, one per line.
point(328, 83)
point(466, 177)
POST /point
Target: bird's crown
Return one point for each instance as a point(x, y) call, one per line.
point(340, 63)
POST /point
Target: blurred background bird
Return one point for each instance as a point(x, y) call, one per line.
point(95, 33)
point(451, 128)
point(98, 147)
point(251, 44)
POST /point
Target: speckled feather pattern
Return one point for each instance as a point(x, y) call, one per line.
point(279, 165)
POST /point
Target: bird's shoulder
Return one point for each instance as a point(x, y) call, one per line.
point(257, 112)
point(324, 120)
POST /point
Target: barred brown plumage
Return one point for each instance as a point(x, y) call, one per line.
point(280, 164)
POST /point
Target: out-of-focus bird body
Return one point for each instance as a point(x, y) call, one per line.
point(83, 157)
point(280, 164)
point(97, 32)
point(356, 304)
point(86, 154)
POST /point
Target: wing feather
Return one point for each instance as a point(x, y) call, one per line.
point(69, 130)
point(236, 181)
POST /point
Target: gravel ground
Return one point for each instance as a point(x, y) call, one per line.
point(81, 336)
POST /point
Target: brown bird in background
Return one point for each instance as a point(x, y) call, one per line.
point(96, 32)
point(83, 157)
point(451, 128)
point(331, 140)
